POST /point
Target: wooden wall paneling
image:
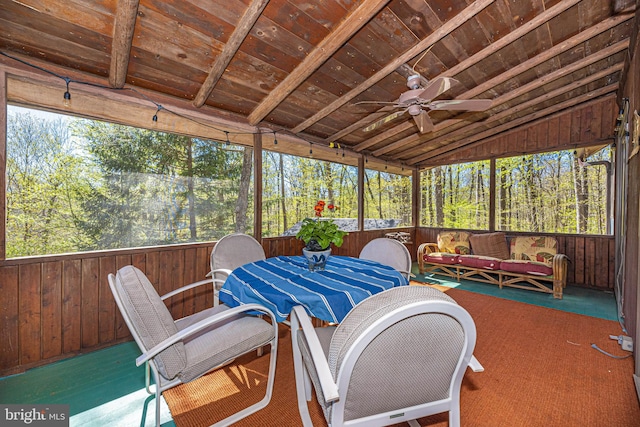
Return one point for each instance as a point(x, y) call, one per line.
point(576, 121)
point(579, 260)
point(90, 302)
point(176, 276)
point(612, 264)
point(515, 142)
point(542, 136)
point(601, 260)
point(570, 252)
point(71, 305)
point(586, 118)
point(121, 329)
point(190, 267)
point(553, 131)
point(531, 143)
point(589, 261)
point(9, 310)
point(596, 125)
point(29, 303)
point(106, 303)
point(564, 128)
point(152, 268)
point(51, 309)
point(139, 261)
point(165, 282)
point(203, 297)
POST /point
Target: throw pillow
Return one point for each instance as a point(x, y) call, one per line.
point(490, 244)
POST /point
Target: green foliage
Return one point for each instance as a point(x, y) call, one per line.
point(547, 192)
point(319, 233)
point(77, 185)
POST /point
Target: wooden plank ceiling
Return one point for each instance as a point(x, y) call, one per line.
point(304, 68)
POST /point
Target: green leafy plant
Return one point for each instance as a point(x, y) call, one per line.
point(319, 233)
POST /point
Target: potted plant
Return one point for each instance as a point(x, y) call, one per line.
point(318, 234)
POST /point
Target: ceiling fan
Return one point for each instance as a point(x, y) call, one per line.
point(418, 101)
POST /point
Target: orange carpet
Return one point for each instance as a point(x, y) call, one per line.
point(540, 370)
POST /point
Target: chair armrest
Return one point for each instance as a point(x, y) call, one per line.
point(475, 365)
point(191, 286)
point(201, 325)
point(427, 248)
point(300, 319)
point(224, 271)
point(406, 273)
point(560, 267)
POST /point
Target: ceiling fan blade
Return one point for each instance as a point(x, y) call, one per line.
point(461, 104)
point(384, 120)
point(424, 122)
point(436, 86)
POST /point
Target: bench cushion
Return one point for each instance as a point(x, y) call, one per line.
point(454, 242)
point(490, 244)
point(526, 267)
point(541, 249)
point(478, 261)
point(441, 258)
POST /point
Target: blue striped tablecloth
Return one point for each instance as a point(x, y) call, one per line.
point(283, 282)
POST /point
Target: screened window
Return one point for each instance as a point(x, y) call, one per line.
point(79, 185)
point(455, 196)
point(293, 185)
point(387, 200)
point(553, 192)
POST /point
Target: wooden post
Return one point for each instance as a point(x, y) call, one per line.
point(3, 163)
point(492, 194)
point(415, 198)
point(361, 193)
point(257, 186)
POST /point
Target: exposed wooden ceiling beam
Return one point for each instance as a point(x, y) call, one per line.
point(494, 47)
point(448, 27)
point(553, 111)
point(583, 63)
point(318, 56)
point(462, 134)
point(419, 160)
point(605, 25)
point(126, 13)
point(247, 21)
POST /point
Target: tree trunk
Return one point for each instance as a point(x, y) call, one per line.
point(282, 193)
point(439, 196)
point(582, 196)
point(242, 204)
point(193, 233)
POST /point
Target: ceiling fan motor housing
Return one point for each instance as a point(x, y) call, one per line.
point(414, 110)
point(413, 82)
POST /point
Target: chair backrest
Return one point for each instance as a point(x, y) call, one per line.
point(389, 252)
point(148, 318)
point(234, 250)
point(398, 349)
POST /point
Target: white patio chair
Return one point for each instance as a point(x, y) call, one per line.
point(398, 355)
point(179, 351)
point(389, 252)
point(229, 253)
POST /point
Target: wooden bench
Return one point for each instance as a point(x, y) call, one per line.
point(526, 262)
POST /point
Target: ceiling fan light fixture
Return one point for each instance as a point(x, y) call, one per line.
point(414, 110)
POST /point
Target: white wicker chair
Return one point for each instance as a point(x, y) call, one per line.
point(389, 252)
point(397, 356)
point(179, 351)
point(229, 253)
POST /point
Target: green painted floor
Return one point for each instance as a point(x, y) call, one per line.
point(102, 388)
point(589, 302)
point(105, 388)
